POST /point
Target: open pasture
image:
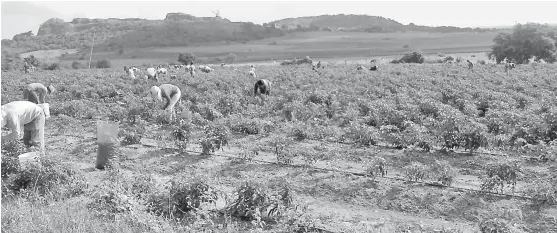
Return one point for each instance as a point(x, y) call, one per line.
point(468, 130)
point(317, 45)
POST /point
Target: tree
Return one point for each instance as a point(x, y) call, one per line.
point(103, 64)
point(9, 60)
point(186, 58)
point(76, 65)
point(230, 58)
point(31, 60)
point(526, 41)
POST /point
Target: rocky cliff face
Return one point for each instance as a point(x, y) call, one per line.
point(179, 17)
point(54, 26)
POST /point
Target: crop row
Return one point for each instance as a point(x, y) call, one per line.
point(408, 105)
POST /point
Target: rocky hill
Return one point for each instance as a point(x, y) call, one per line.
point(360, 23)
point(179, 29)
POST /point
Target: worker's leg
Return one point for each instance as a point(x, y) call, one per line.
point(33, 97)
point(34, 132)
point(172, 102)
point(41, 97)
point(25, 94)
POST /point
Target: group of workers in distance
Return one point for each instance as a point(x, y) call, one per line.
point(32, 111)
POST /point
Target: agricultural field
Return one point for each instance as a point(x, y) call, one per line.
point(317, 45)
point(408, 148)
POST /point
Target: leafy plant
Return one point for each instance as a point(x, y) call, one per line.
point(499, 175)
point(11, 149)
point(377, 167)
point(216, 137)
point(416, 171)
point(543, 192)
point(363, 134)
point(494, 225)
point(254, 202)
point(182, 135)
point(192, 195)
point(443, 172)
point(280, 145)
point(48, 176)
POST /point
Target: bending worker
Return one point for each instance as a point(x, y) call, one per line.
point(263, 85)
point(171, 93)
point(36, 92)
point(29, 115)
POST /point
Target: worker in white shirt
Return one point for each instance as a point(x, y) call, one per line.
point(29, 115)
point(171, 93)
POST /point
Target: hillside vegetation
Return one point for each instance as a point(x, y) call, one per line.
point(176, 29)
point(360, 23)
point(179, 29)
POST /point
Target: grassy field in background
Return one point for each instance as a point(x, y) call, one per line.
point(317, 45)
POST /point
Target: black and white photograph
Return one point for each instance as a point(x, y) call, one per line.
point(278, 116)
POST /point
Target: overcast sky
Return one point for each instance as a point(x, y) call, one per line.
point(22, 16)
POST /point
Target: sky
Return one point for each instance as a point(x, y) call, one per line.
point(23, 16)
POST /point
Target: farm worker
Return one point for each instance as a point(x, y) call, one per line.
point(152, 74)
point(36, 92)
point(263, 85)
point(29, 115)
point(26, 67)
point(171, 93)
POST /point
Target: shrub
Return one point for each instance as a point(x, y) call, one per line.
point(300, 132)
point(362, 134)
point(281, 146)
point(52, 66)
point(47, 176)
point(32, 60)
point(494, 225)
point(103, 64)
point(416, 171)
point(499, 175)
point(216, 137)
point(191, 194)
point(11, 149)
point(76, 65)
point(443, 172)
point(448, 59)
point(412, 57)
point(107, 203)
point(254, 202)
point(249, 126)
point(543, 192)
point(186, 58)
point(248, 153)
point(182, 135)
point(296, 61)
point(391, 134)
point(377, 167)
point(133, 134)
point(473, 136)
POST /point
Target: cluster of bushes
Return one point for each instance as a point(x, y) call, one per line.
point(48, 176)
point(296, 61)
point(412, 57)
